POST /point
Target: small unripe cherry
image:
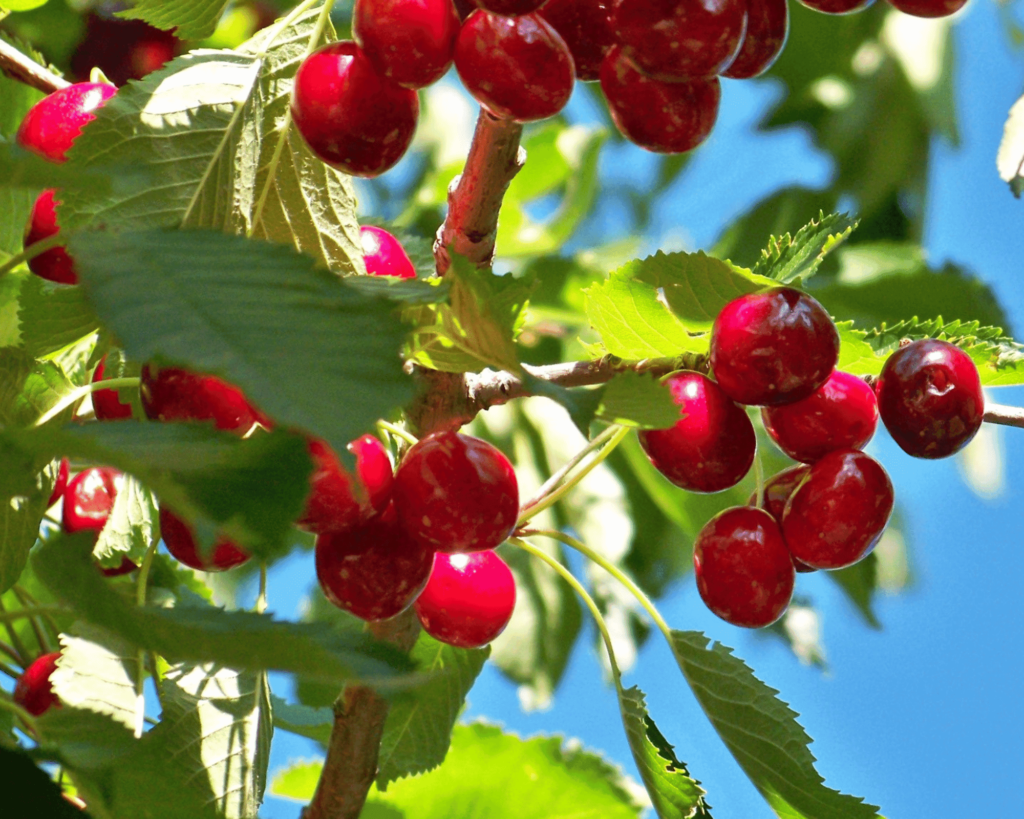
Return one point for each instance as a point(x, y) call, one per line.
point(337, 501)
point(411, 42)
point(456, 493)
point(88, 499)
point(930, 398)
point(180, 541)
point(174, 394)
point(588, 30)
point(744, 571)
point(106, 403)
point(54, 265)
point(61, 482)
point(384, 254)
point(711, 446)
point(54, 123)
point(767, 30)
point(776, 494)
point(468, 599)
point(838, 6)
point(928, 8)
point(34, 690)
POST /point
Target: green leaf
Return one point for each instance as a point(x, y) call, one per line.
point(29, 389)
point(419, 725)
point(131, 526)
point(300, 343)
point(15, 209)
point(22, 170)
point(20, 516)
point(85, 740)
point(797, 258)
point(859, 583)
point(638, 400)
point(215, 128)
point(52, 316)
point(297, 781)
point(762, 733)
point(190, 20)
point(312, 723)
point(1010, 160)
point(16, 98)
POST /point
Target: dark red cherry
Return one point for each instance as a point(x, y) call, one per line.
point(711, 446)
point(53, 123)
point(464, 8)
point(838, 6)
point(744, 572)
point(61, 483)
point(88, 499)
point(588, 31)
point(105, 403)
point(337, 502)
point(122, 49)
point(664, 117)
point(515, 67)
point(350, 116)
point(173, 394)
point(374, 570)
point(776, 494)
point(681, 39)
point(774, 347)
point(468, 600)
point(55, 264)
point(510, 8)
point(928, 8)
point(930, 398)
point(767, 30)
point(841, 414)
point(411, 42)
point(181, 543)
point(836, 515)
point(34, 691)
point(384, 254)
point(126, 566)
point(455, 493)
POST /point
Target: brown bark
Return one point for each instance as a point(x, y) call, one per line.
point(19, 67)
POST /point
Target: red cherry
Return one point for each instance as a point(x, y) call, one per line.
point(55, 264)
point(411, 42)
point(88, 499)
point(515, 67)
point(61, 482)
point(53, 123)
point(928, 8)
point(776, 493)
point(588, 30)
point(464, 8)
point(774, 347)
point(839, 511)
point(767, 30)
point(122, 49)
point(105, 403)
point(664, 117)
point(181, 543)
point(744, 572)
point(681, 39)
point(455, 493)
point(334, 503)
point(510, 8)
point(841, 414)
point(173, 394)
point(375, 570)
point(930, 398)
point(838, 6)
point(124, 567)
point(468, 600)
point(384, 254)
point(350, 116)
point(33, 691)
point(711, 446)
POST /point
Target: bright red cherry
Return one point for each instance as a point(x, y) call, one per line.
point(510, 8)
point(664, 117)
point(928, 8)
point(681, 39)
point(455, 493)
point(836, 515)
point(375, 570)
point(930, 398)
point(53, 123)
point(773, 347)
point(88, 499)
point(384, 254)
point(515, 67)
point(61, 483)
point(711, 446)
point(55, 264)
point(181, 543)
point(776, 494)
point(336, 502)
point(838, 6)
point(841, 414)
point(468, 600)
point(587, 28)
point(767, 30)
point(744, 572)
point(411, 42)
point(34, 691)
point(105, 403)
point(173, 394)
point(350, 116)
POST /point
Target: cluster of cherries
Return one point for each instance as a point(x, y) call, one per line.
point(778, 350)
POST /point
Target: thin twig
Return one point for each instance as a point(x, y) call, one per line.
point(16, 642)
point(1006, 416)
point(45, 646)
point(22, 68)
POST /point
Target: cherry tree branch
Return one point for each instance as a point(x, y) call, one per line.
point(22, 68)
point(1005, 416)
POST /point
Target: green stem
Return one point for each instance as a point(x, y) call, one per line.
point(261, 599)
point(29, 611)
point(45, 614)
point(77, 395)
point(140, 657)
point(11, 672)
point(30, 252)
point(16, 643)
point(398, 432)
point(10, 652)
point(21, 713)
point(44, 642)
point(759, 477)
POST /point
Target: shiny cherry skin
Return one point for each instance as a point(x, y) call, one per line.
point(767, 31)
point(744, 572)
point(88, 499)
point(510, 8)
point(456, 493)
point(411, 42)
point(336, 501)
point(841, 414)
point(516, 67)
point(468, 600)
point(374, 570)
point(711, 446)
point(173, 394)
point(181, 543)
point(774, 347)
point(681, 39)
point(588, 30)
point(836, 515)
point(776, 494)
point(61, 483)
point(664, 117)
point(930, 398)
point(384, 254)
point(350, 116)
point(52, 124)
point(34, 691)
point(928, 8)
point(837, 6)
point(105, 403)
point(54, 265)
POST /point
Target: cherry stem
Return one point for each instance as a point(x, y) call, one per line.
point(398, 432)
point(16, 643)
point(10, 652)
point(45, 646)
point(759, 477)
point(31, 601)
point(10, 672)
point(1004, 415)
point(33, 250)
point(21, 713)
point(261, 598)
point(140, 658)
point(75, 396)
point(24, 69)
